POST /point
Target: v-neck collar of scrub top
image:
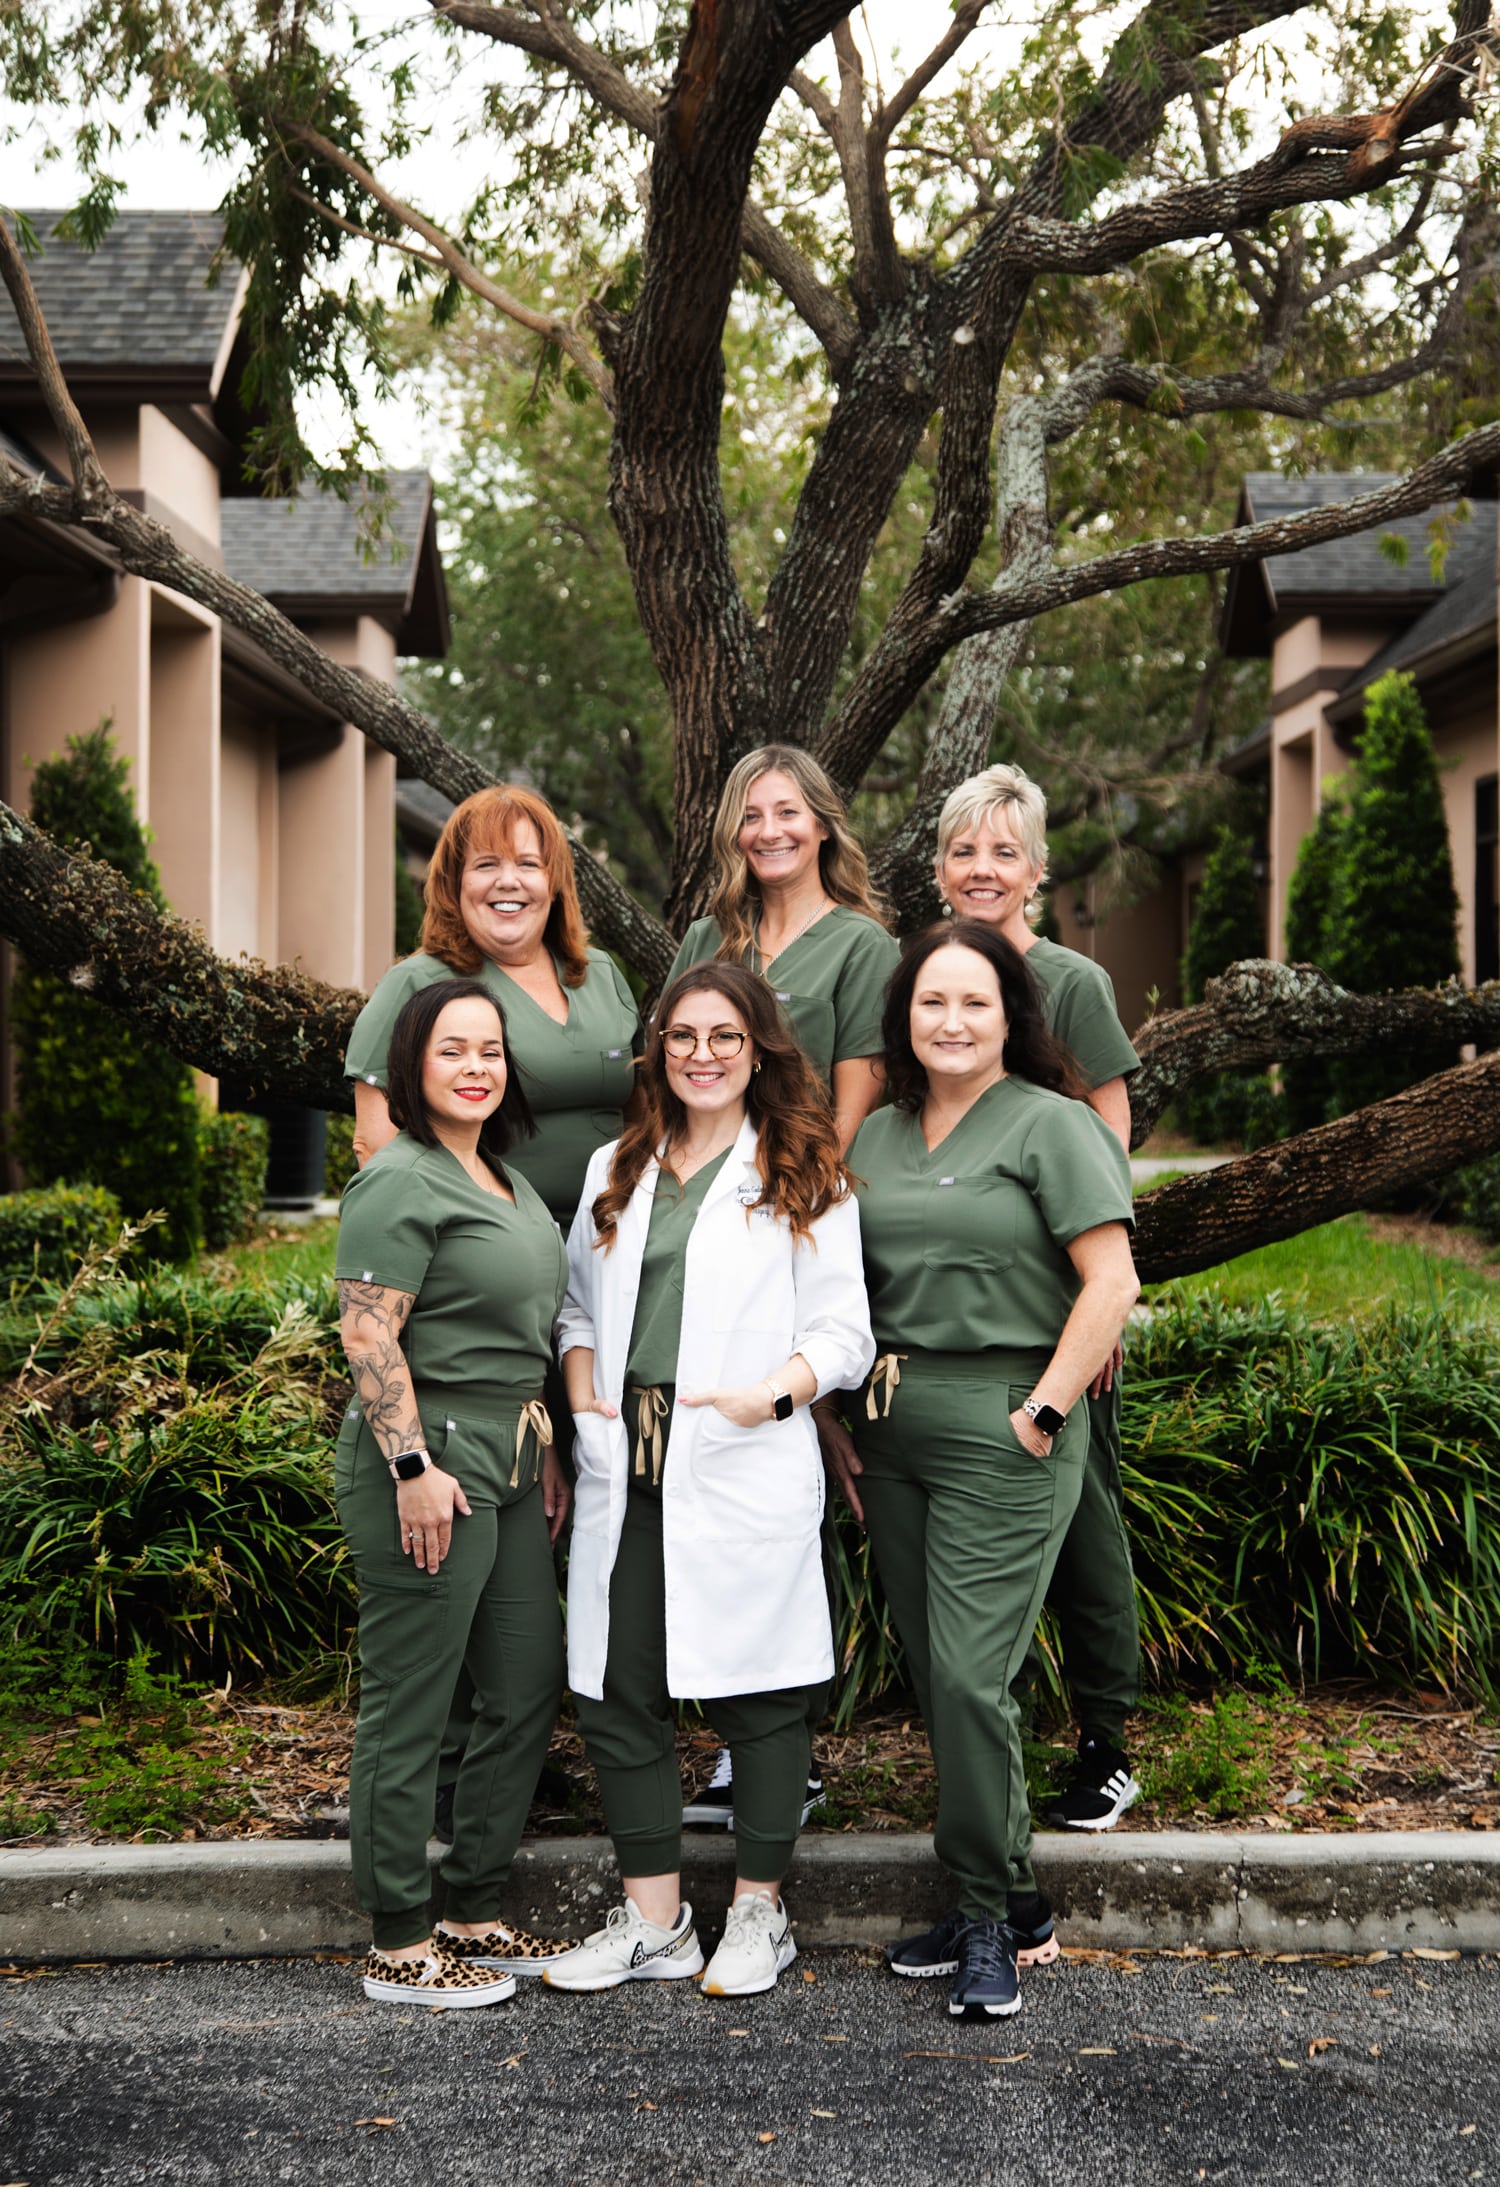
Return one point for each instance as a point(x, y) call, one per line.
point(934, 1157)
point(493, 1199)
point(558, 1025)
point(763, 962)
point(731, 1172)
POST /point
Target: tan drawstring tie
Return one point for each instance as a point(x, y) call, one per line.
point(536, 1417)
point(887, 1369)
point(651, 1409)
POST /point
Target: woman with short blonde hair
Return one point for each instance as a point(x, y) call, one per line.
point(793, 902)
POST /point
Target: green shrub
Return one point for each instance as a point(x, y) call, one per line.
point(168, 1475)
point(97, 1104)
point(232, 1152)
point(45, 1233)
point(1392, 908)
point(1474, 1194)
point(339, 1165)
point(409, 906)
point(1228, 926)
point(1307, 1081)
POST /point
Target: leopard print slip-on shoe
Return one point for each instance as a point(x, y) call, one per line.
point(503, 1946)
point(434, 1979)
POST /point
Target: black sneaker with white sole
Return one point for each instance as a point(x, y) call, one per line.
point(935, 1951)
point(713, 1807)
point(986, 1985)
point(1099, 1790)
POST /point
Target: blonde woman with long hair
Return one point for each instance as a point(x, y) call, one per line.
point(793, 902)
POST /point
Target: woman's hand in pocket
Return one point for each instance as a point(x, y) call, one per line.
point(426, 1508)
point(750, 1408)
point(840, 1457)
point(1029, 1435)
point(557, 1492)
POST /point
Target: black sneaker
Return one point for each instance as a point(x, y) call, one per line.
point(714, 1806)
point(1099, 1790)
point(442, 1814)
point(986, 1985)
point(935, 1951)
point(1029, 1919)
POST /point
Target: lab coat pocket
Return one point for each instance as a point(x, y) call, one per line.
point(971, 1223)
point(754, 1483)
point(593, 1454)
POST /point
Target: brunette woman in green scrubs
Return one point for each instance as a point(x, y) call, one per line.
point(991, 861)
point(450, 1272)
point(994, 1212)
point(502, 907)
point(793, 902)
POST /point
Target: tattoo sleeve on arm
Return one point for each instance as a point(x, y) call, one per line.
point(371, 1320)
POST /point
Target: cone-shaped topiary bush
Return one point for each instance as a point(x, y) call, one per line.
point(1306, 1081)
point(1228, 925)
point(95, 1103)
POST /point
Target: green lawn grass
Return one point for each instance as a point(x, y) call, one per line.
point(279, 1251)
point(1341, 1269)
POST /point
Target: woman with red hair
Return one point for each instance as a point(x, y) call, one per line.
point(502, 907)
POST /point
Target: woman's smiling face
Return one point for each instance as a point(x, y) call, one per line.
point(705, 1083)
point(505, 897)
point(464, 1069)
point(780, 834)
point(986, 874)
point(958, 1018)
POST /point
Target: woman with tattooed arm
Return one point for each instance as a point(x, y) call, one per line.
point(450, 1273)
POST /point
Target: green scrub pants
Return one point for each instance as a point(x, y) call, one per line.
point(1092, 1594)
point(966, 1526)
point(630, 1733)
point(492, 1608)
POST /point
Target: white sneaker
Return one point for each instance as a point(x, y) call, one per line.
point(629, 1948)
point(757, 1946)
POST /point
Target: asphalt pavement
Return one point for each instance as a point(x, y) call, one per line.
point(1123, 2071)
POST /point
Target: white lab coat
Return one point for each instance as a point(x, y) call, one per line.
point(747, 1611)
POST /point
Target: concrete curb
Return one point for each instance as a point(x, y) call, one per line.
point(1160, 1890)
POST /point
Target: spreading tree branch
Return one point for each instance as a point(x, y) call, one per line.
point(1258, 1013)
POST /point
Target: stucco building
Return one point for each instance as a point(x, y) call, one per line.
point(274, 822)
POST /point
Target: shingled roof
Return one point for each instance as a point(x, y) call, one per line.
point(139, 310)
point(306, 555)
point(1342, 573)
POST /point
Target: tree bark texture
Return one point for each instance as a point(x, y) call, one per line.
point(270, 1028)
point(1258, 1013)
point(1197, 1222)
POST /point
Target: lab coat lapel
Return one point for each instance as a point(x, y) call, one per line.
point(733, 1174)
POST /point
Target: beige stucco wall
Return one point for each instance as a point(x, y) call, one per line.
point(1468, 746)
point(184, 772)
point(1139, 945)
point(64, 681)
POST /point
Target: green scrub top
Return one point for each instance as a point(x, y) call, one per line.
point(830, 982)
point(577, 1076)
point(1080, 1000)
point(964, 1247)
point(487, 1278)
point(657, 1331)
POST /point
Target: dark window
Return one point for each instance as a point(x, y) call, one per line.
point(1487, 878)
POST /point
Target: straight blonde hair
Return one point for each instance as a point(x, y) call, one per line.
point(842, 865)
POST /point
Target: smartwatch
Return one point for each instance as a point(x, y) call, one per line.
point(1046, 1417)
point(782, 1407)
point(409, 1465)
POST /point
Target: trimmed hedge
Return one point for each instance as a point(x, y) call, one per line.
point(44, 1234)
point(339, 1163)
point(232, 1154)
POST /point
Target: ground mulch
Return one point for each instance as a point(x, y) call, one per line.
point(1334, 1757)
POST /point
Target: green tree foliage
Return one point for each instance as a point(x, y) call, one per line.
point(1228, 925)
point(95, 1103)
point(1306, 1081)
point(1392, 907)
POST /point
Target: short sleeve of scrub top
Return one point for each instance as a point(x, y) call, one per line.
point(370, 1041)
point(1081, 1011)
point(966, 1245)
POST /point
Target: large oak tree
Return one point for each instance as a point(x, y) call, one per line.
point(1113, 228)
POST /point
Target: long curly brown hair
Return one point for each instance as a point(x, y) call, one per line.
point(488, 821)
point(801, 1169)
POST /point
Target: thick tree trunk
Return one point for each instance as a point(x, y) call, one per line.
point(1259, 1013)
point(1434, 1127)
